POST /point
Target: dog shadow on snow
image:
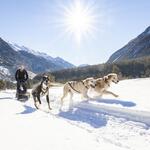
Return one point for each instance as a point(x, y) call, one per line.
point(92, 118)
point(27, 110)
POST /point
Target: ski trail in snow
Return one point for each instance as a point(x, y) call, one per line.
point(129, 114)
point(110, 125)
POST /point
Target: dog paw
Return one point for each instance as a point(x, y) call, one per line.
point(36, 107)
point(35, 104)
point(50, 108)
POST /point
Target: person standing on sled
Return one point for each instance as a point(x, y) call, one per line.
point(21, 78)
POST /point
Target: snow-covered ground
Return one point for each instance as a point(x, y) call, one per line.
point(109, 123)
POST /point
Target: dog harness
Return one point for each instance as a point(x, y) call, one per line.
point(75, 89)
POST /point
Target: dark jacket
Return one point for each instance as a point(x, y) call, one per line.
point(21, 75)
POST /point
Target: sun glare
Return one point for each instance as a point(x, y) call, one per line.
point(79, 20)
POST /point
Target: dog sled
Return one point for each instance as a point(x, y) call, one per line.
point(22, 94)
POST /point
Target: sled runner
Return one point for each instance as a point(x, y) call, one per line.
point(23, 96)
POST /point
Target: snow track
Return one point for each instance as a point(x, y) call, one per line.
point(129, 114)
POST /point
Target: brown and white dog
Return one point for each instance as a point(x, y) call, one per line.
point(102, 84)
point(42, 89)
point(80, 87)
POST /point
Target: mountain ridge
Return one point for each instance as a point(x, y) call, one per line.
point(137, 47)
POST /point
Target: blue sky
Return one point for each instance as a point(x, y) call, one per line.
point(37, 24)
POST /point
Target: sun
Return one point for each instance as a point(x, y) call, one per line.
point(79, 20)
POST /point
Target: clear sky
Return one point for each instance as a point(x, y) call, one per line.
point(41, 25)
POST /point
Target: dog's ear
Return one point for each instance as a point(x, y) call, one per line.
point(85, 80)
point(97, 80)
point(49, 78)
point(109, 76)
point(105, 78)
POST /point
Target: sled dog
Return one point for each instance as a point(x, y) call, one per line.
point(42, 89)
point(102, 84)
point(80, 87)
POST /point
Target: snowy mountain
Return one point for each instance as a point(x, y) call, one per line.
point(83, 65)
point(12, 55)
point(58, 61)
point(63, 63)
point(138, 47)
point(106, 123)
point(4, 73)
point(16, 47)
